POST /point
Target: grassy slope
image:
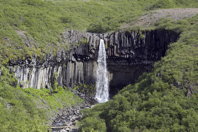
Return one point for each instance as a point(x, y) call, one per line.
point(160, 100)
point(45, 20)
point(21, 110)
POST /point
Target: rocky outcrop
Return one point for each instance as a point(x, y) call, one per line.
point(129, 54)
point(44, 75)
point(66, 120)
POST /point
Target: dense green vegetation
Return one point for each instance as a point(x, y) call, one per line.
point(29, 109)
point(163, 100)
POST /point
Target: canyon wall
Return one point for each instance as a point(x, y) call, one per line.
point(129, 54)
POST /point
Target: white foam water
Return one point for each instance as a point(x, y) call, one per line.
point(102, 83)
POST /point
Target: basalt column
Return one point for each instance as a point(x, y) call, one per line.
point(129, 54)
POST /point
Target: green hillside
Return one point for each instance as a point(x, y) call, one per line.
point(163, 100)
point(44, 20)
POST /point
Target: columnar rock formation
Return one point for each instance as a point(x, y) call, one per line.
point(129, 54)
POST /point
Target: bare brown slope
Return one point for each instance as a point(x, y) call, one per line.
point(152, 17)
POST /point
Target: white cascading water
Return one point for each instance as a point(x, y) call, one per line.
point(102, 83)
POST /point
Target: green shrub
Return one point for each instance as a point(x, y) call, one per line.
point(94, 125)
point(33, 2)
point(163, 4)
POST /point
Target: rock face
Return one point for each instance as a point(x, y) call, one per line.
point(129, 54)
point(44, 75)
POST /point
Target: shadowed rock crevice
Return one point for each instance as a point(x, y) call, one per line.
point(129, 54)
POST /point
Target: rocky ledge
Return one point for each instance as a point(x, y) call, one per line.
point(129, 54)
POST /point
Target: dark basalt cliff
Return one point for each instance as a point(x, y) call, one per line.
point(129, 54)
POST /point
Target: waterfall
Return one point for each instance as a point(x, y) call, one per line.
point(102, 84)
